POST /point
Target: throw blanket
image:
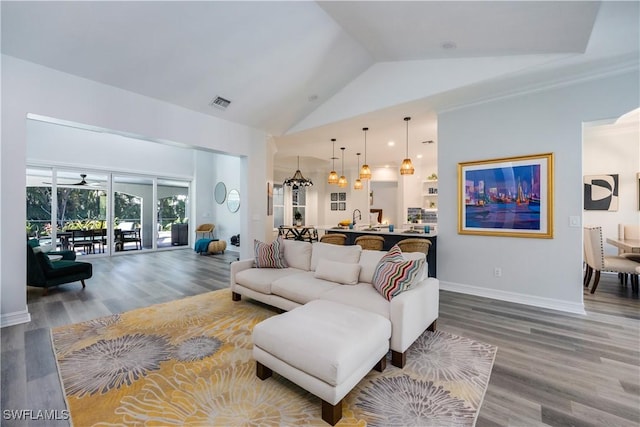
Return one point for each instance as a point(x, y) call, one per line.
point(202, 245)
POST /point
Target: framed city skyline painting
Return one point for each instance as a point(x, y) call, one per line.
point(510, 196)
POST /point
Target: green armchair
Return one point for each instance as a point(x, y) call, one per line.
point(66, 255)
point(44, 273)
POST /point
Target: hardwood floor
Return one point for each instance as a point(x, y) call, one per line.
point(551, 368)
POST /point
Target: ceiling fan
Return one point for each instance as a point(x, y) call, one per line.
point(82, 181)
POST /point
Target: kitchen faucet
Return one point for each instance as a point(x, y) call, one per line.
point(354, 216)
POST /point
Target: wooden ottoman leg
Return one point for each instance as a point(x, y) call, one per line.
point(235, 296)
point(382, 364)
point(331, 413)
point(262, 371)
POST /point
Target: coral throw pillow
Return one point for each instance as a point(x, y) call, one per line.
point(394, 274)
point(269, 255)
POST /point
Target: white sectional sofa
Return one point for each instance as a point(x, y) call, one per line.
point(411, 312)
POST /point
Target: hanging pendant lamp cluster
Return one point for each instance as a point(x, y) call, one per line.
point(333, 175)
point(297, 180)
point(406, 168)
point(365, 171)
point(357, 185)
point(342, 182)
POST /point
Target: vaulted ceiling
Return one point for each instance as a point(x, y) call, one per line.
point(308, 71)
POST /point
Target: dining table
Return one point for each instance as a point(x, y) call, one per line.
point(298, 232)
point(627, 245)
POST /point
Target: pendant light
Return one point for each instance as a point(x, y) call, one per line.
point(365, 171)
point(342, 182)
point(357, 185)
point(297, 180)
point(406, 168)
point(333, 175)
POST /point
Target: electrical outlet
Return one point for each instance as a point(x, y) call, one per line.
point(574, 221)
point(497, 272)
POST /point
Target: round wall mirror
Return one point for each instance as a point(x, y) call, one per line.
point(220, 192)
point(233, 201)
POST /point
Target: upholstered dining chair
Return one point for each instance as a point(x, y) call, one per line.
point(374, 243)
point(597, 261)
point(205, 229)
point(334, 238)
point(629, 231)
point(414, 245)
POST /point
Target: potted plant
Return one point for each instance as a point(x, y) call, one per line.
point(297, 215)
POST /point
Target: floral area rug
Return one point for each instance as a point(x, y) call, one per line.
point(189, 362)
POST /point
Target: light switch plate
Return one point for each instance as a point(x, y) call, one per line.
point(574, 221)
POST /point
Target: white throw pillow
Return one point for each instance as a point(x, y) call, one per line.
point(347, 253)
point(297, 254)
point(338, 272)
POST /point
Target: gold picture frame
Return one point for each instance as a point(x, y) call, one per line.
point(509, 196)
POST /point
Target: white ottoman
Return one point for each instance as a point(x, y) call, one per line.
point(324, 347)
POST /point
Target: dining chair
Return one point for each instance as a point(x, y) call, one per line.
point(597, 261)
point(628, 231)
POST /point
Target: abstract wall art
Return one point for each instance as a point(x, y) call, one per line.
point(601, 192)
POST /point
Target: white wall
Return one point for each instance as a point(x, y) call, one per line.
point(385, 197)
point(55, 144)
point(227, 169)
point(30, 88)
point(614, 149)
point(542, 272)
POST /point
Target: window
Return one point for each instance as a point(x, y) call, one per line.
point(278, 205)
point(60, 204)
point(298, 202)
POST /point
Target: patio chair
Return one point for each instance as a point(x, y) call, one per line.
point(128, 236)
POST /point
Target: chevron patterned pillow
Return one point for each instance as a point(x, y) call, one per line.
point(269, 255)
point(394, 275)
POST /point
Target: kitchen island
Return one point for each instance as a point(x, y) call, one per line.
point(390, 239)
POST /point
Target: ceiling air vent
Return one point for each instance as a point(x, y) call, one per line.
point(220, 102)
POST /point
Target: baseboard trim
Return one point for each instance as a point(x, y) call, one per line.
point(532, 300)
point(15, 318)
